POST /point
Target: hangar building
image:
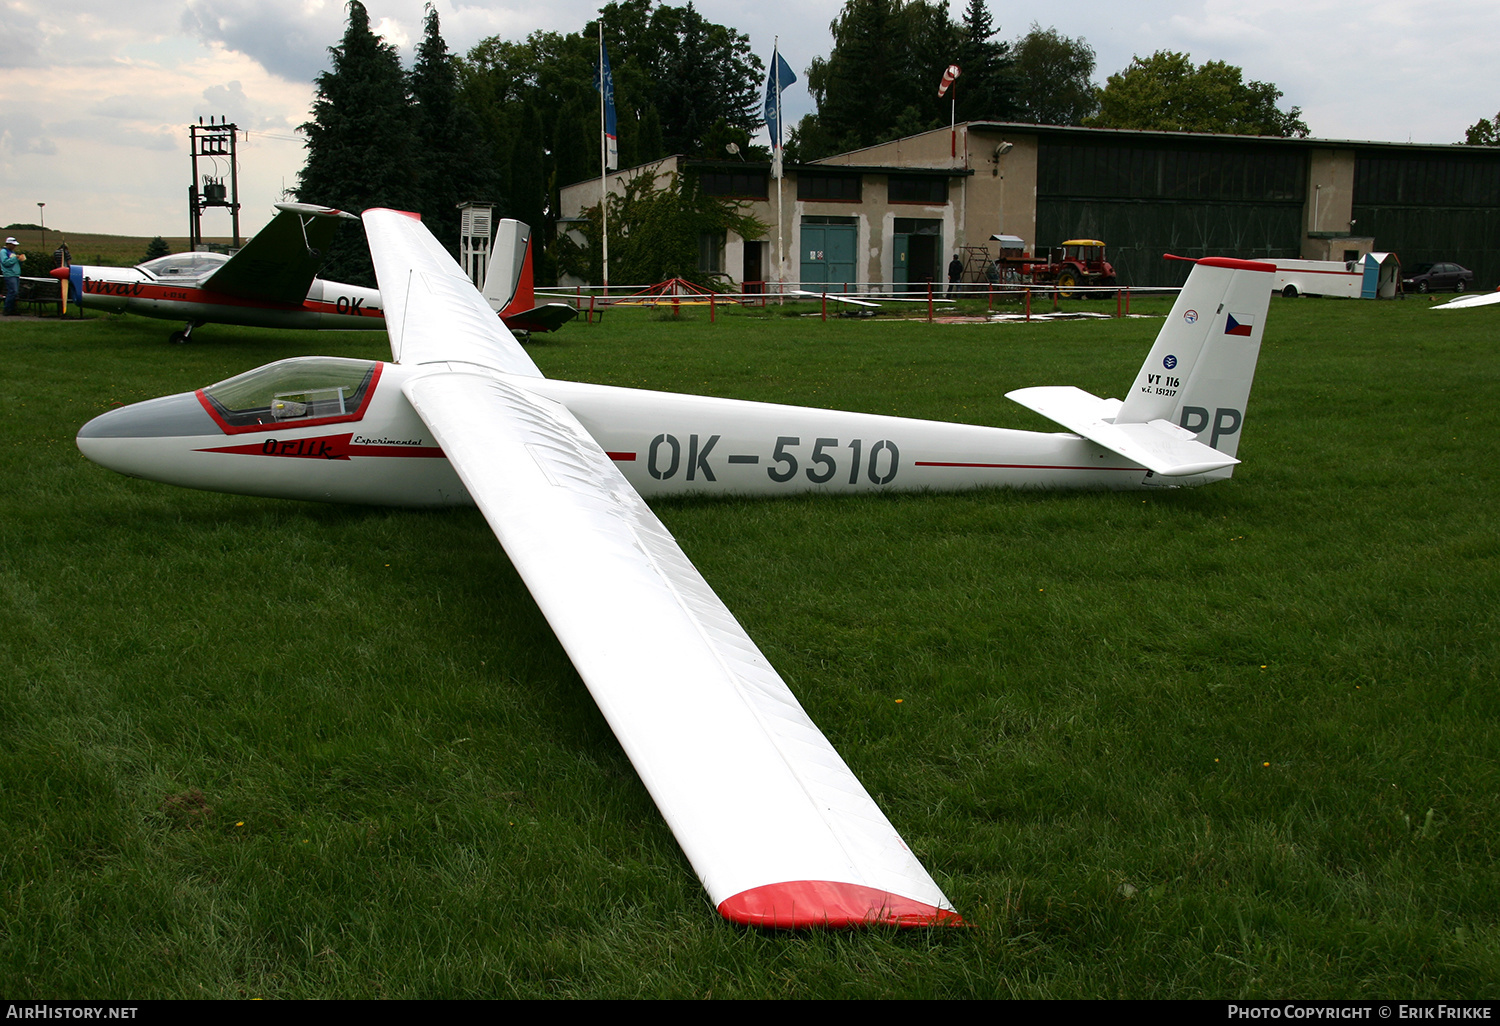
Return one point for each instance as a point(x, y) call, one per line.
point(898, 211)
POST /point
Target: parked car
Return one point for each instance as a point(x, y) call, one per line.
point(1437, 278)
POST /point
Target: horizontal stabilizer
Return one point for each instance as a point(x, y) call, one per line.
point(547, 317)
point(1158, 445)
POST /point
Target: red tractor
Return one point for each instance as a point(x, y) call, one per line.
point(1076, 265)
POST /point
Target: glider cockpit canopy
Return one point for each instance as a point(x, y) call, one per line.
point(307, 387)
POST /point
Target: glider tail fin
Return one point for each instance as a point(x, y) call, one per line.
point(1182, 417)
point(508, 285)
point(1199, 372)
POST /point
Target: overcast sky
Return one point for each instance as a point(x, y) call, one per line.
point(96, 95)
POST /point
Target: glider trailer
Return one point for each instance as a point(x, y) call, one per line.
point(776, 826)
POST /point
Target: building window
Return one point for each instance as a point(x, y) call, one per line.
point(711, 252)
point(918, 189)
point(734, 184)
point(828, 187)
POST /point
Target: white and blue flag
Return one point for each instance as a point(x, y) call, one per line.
point(780, 77)
point(604, 81)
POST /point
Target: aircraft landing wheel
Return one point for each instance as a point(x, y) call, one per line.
point(1290, 292)
point(178, 338)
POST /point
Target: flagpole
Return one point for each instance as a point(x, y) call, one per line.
point(603, 165)
point(777, 160)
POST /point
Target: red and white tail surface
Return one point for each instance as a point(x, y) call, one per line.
point(508, 284)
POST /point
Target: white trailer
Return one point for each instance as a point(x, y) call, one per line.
point(1376, 275)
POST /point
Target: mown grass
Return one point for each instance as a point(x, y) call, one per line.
point(1236, 741)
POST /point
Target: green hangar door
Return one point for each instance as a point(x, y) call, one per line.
point(829, 245)
point(915, 258)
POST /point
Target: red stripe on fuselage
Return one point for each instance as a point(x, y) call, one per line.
point(328, 447)
point(185, 294)
point(1017, 466)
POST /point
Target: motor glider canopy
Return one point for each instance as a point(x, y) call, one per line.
point(184, 266)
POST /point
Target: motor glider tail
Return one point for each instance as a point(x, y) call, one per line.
point(1183, 415)
point(509, 284)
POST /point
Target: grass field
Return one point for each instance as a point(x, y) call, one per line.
point(91, 247)
point(1237, 741)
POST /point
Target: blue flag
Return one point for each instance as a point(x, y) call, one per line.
point(604, 81)
point(780, 77)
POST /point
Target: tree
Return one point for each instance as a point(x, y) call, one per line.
point(682, 85)
point(359, 142)
point(986, 90)
point(453, 165)
point(654, 232)
point(1054, 78)
point(880, 80)
point(1484, 132)
point(157, 247)
point(1166, 92)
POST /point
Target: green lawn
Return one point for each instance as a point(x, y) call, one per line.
point(1231, 742)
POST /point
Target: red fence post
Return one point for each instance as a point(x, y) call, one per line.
point(1028, 306)
point(929, 302)
point(825, 306)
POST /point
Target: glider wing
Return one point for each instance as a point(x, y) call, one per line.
point(278, 265)
point(775, 824)
point(432, 311)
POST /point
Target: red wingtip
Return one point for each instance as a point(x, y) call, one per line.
point(1230, 262)
point(803, 904)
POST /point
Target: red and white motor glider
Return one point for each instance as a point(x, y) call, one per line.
point(775, 824)
point(272, 282)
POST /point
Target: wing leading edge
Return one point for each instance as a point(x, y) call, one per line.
point(775, 824)
point(278, 265)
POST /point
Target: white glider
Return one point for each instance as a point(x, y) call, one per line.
point(1470, 301)
point(776, 826)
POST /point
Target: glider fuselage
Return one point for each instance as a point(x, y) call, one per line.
point(376, 450)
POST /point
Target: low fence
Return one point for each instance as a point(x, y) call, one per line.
point(592, 300)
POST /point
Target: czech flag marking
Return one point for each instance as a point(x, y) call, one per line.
point(1239, 324)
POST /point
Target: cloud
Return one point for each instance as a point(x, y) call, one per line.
point(289, 38)
point(22, 39)
point(21, 132)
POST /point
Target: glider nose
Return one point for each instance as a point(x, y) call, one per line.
point(61, 273)
point(121, 439)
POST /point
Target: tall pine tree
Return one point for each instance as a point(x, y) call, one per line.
point(986, 91)
point(359, 142)
point(880, 81)
point(452, 165)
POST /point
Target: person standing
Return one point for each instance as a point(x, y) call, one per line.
point(955, 273)
point(10, 269)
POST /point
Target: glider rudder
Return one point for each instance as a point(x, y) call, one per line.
point(1199, 372)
